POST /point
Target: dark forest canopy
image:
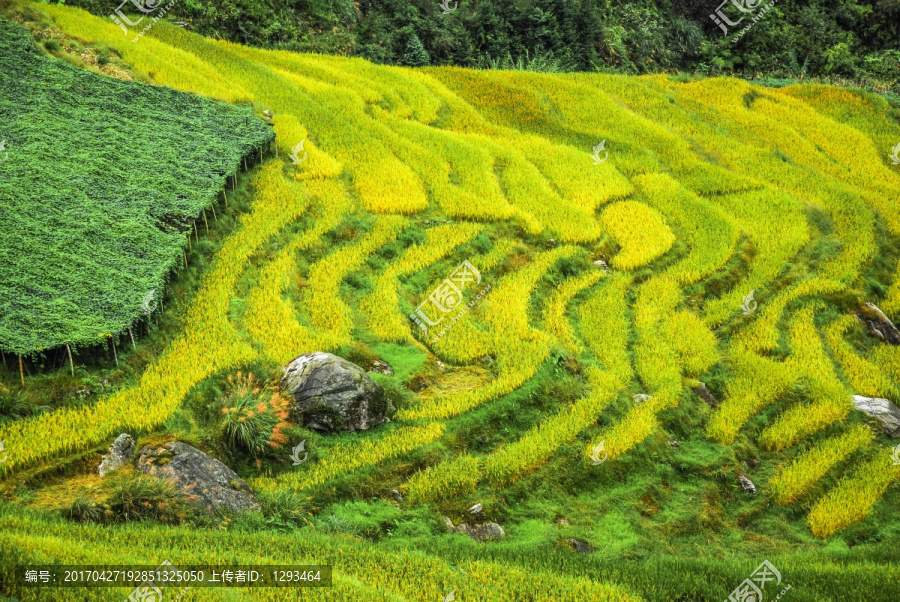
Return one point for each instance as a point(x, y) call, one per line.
point(843, 38)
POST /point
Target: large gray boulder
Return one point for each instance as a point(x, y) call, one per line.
point(120, 454)
point(332, 394)
point(205, 481)
point(882, 409)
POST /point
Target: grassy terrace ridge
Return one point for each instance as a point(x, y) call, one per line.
point(102, 180)
point(704, 191)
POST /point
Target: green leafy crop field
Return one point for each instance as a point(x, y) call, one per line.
point(102, 181)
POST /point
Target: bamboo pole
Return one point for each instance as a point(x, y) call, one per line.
point(233, 181)
point(206, 222)
point(21, 371)
point(183, 254)
point(245, 163)
point(196, 230)
point(215, 217)
point(226, 197)
point(130, 334)
point(71, 363)
point(190, 246)
point(115, 356)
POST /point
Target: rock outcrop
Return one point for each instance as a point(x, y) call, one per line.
point(886, 412)
point(879, 324)
point(706, 395)
point(204, 481)
point(746, 484)
point(481, 532)
point(331, 394)
point(120, 454)
point(582, 547)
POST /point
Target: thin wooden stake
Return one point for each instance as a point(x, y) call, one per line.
point(71, 363)
point(21, 371)
point(115, 356)
point(190, 246)
point(206, 222)
point(226, 197)
point(196, 230)
point(215, 217)
point(183, 254)
point(233, 181)
point(130, 334)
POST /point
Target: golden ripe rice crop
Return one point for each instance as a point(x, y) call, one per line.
point(640, 231)
point(740, 224)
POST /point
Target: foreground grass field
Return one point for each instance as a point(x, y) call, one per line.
point(738, 228)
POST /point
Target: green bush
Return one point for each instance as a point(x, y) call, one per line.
point(253, 417)
point(85, 510)
point(137, 498)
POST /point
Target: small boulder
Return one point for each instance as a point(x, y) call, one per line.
point(476, 508)
point(396, 495)
point(746, 484)
point(879, 324)
point(332, 394)
point(674, 443)
point(886, 412)
point(582, 547)
point(120, 453)
point(381, 367)
point(706, 395)
point(480, 533)
point(205, 481)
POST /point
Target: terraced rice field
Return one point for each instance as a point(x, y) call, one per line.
point(713, 190)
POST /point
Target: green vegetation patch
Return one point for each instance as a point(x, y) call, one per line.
point(99, 180)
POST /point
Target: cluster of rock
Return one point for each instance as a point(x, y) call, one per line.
point(202, 480)
point(329, 394)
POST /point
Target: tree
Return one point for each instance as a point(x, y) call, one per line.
point(415, 54)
